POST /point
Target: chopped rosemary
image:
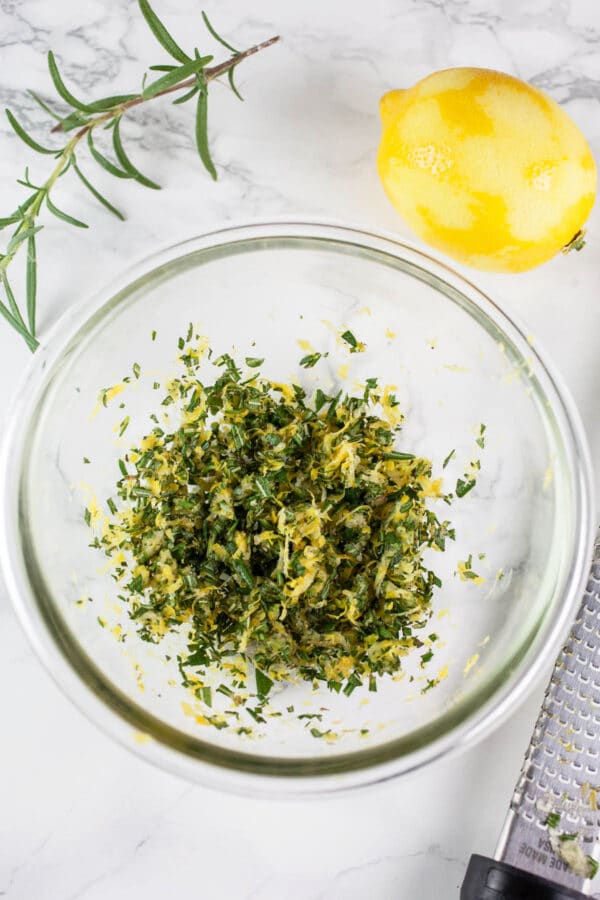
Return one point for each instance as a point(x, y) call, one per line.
point(312, 359)
point(448, 458)
point(320, 734)
point(355, 346)
point(426, 657)
point(279, 528)
point(463, 487)
point(466, 572)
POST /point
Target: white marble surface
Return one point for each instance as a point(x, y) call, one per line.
point(81, 819)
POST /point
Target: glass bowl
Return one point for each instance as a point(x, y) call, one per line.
point(457, 360)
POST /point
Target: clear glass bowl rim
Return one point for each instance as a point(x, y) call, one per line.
point(252, 774)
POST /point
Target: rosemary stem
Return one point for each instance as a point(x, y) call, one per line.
point(208, 75)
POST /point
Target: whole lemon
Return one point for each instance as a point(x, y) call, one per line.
point(486, 168)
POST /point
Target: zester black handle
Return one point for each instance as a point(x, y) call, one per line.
point(488, 879)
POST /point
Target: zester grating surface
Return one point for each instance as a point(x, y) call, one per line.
point(561, 772)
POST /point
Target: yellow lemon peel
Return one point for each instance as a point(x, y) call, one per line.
point(486, 168)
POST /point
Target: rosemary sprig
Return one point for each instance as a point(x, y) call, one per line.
point(189, 77)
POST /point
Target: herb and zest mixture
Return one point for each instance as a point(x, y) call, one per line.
point(285, 529)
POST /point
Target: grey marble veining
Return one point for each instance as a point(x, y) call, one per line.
point(81, 819)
